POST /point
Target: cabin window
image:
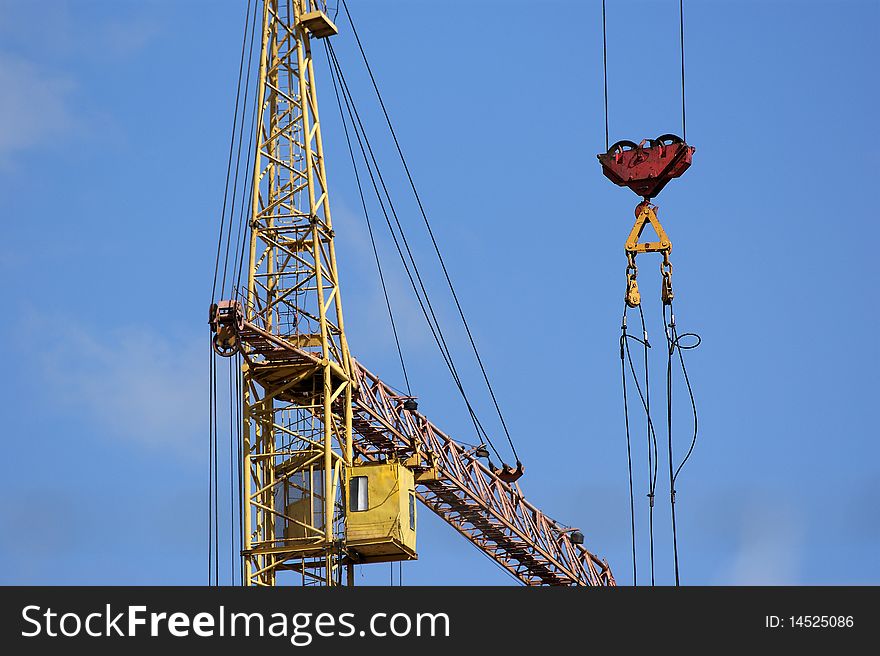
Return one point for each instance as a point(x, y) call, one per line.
point(412, 511)
point(359, 499)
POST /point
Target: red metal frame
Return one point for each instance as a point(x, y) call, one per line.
point(491, 513)
point(646, 169)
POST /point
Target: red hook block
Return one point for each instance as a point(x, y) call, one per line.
point(646, 168)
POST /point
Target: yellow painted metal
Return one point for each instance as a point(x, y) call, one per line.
point(319, 24)
point(297, 413)
point(646, 214)
point(385, 530)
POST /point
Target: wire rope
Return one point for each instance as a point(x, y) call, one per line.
point(652, 436)
point(229, 161)
point(431, 233)
point(675, 346)
point(408, 260)
point(681, 40)
point(372, 238)
point(632, 510)
point(605, 71)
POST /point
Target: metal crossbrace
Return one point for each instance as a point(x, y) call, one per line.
point(491, 514)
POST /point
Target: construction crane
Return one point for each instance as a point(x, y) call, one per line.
point(333, 459)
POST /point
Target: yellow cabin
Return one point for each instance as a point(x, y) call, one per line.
point(381, 518)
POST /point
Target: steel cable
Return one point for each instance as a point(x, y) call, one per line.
point(417, 282)
point(237, 160)
point(421, 296)
point(370, 230)
point(216, 488)
point(681, 39)
point(229, 162)
point(211, 420)
point(652, 436)
point(674, 345)
point(605, 72)
point(632, 510)
point(247, 193)
point(240, 462)
point(231, 474)
point(431, 234)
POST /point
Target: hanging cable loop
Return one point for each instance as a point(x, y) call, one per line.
point(643, 390)
point(674, 342)
point(632, 512)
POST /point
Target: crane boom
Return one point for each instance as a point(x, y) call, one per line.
point(492, 514)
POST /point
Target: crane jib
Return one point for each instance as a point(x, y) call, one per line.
point(491, 513)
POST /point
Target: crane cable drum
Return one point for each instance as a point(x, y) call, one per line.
point(646, 168)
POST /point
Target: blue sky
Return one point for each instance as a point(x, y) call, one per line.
point(114, 121)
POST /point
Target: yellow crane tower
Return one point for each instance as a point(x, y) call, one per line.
point(297, 407)
point(333, 459)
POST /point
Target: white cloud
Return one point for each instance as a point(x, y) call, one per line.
point(34, 105)
point(127, 37)
point(770, 547)
point(135, 385)
point(364, 303)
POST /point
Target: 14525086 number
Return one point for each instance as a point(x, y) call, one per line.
point(821, 621)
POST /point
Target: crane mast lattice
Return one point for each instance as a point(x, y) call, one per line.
point(298, 438)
